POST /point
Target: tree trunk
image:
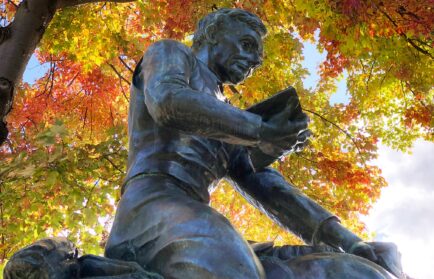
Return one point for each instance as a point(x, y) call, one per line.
point(19, 40)
point(17, 43)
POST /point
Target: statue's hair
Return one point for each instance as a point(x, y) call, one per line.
point(219, 17)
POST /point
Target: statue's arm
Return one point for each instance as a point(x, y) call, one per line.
point(260, 159)
point(164, 74)
point(267, 190)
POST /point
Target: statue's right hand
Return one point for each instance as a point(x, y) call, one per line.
point(279, 128)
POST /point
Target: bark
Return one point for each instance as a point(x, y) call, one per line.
point(19, 40)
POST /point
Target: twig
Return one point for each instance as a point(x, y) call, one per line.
point(415, 96)
point(73, 79)
point(121, 78)
point(234, 90)
point(53, 70)
point(119, 74)
point(113, 164)
point(307, 159)
point(12, 2)
point(384, 77)
point(410, 41)
point(125, 64)
point(340, 129)
point(85, 117)
point(69, 3)
point(90, 194)
point(47, 81)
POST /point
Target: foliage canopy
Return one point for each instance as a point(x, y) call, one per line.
point(65, 157)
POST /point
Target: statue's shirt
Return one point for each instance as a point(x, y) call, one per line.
point(168, 112)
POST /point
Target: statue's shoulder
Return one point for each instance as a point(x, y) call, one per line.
point(160, 52)
point(170, 47)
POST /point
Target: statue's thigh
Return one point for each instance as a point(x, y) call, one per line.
point(166, 231)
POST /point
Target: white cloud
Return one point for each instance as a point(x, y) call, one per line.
point(405, 212)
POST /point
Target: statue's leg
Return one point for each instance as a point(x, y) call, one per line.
point(104, 268)
point(163, 229)
point(336, 266)
point(323, 266)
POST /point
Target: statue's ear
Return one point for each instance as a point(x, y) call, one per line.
point(210, 33)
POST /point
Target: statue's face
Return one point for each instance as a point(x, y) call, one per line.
point(237, 53)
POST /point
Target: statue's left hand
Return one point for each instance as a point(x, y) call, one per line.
point(385, 254)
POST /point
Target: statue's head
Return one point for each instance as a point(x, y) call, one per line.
point(233, 40)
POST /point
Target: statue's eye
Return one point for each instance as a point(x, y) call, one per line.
point(247, 45)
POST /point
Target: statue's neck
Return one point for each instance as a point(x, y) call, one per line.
point(203, 54)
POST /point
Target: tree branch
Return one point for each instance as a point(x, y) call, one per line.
point(402, 34)
point(121, 78)
point(69, 3)
point(118, 74)
point(12, 2)
point(89, 195)
point(340, 129)
point(307, 159)
point(416, 97)
point(125, 64)
point(113, 164)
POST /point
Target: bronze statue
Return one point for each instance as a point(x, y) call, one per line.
point(184, 138)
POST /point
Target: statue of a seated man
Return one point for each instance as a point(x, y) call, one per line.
point(184, 138)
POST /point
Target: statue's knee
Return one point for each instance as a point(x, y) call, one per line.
point(207, 258)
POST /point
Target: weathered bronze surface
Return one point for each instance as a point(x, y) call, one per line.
point(184, 138)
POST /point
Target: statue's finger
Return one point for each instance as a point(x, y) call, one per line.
point(301, 145)
point(304, 135)
point(296, 126)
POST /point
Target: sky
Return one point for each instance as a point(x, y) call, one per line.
point(404, 214)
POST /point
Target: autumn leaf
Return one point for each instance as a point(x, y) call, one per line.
point(64, 160)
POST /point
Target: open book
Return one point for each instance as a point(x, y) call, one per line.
point(276, 103)
point(266, 109)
